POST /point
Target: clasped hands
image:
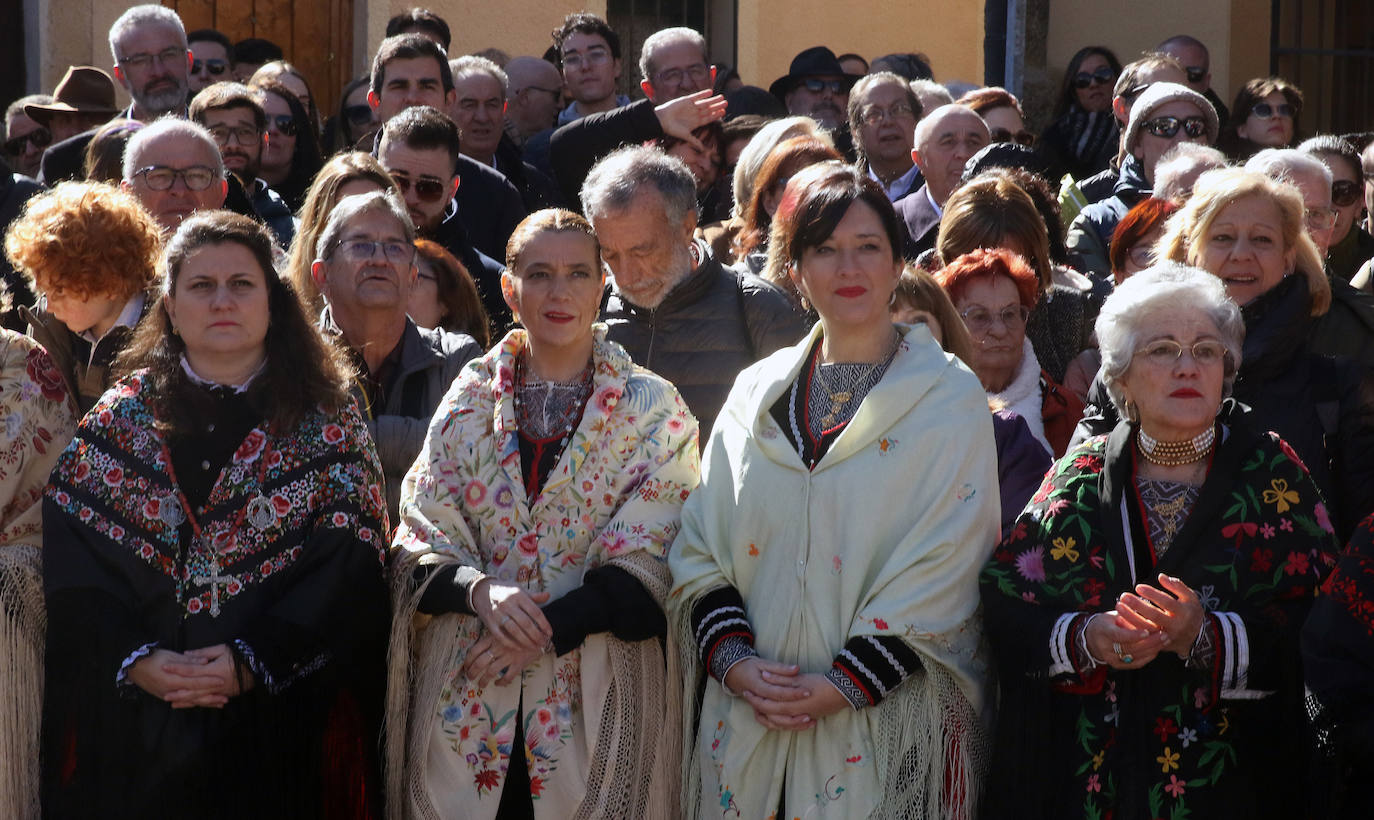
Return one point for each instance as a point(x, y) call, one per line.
point(206, 677)
point(516, 633)
point(781, 695)
point(1145, 623)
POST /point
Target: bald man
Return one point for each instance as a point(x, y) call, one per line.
point(945, 139)
point(535, 97)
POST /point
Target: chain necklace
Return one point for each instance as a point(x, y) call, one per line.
point(839, 398)
point(575, 394)
point(1176, 453)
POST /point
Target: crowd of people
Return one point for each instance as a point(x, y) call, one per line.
point(499, 446)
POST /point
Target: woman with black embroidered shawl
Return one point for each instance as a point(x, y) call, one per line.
point(1144, 611)
point(213, 570)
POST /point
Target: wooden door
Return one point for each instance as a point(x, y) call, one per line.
point(315, 35)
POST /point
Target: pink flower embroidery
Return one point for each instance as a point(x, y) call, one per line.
point(1094, 785)
point(1323, 518)
point(1175, 786)
point(1031, 564)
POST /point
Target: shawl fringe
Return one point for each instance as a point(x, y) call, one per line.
point(23, 622)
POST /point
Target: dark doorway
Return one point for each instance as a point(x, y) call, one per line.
point(1326, 47)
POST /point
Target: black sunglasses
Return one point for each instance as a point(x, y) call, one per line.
point(40, 137)
point(1345, 192)
point(429, 190)
point(216, 67)
point(1021, 137)
point(358, 114)
point(1102, 76)
point(1195, 73)
point(816, 86)
point(1167, 127)
point(1264, 110)
point(284, 124)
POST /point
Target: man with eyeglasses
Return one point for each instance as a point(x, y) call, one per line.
point(420, 148)
point(945, 139)
point(816, 86)
point(365, 269)
point(212, 58)
point(677, 84)
point(535, 97)
point(153, 63)
point(1197, 62)
point(175, 169)
point(1162, 116)
point(883, 111)
point(234, 116)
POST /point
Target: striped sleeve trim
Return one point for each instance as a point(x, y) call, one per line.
point(876, 664)
point(729, 651)
point(719, 619)
point(1234, 659)
point(852, 690)
point(1061, 655)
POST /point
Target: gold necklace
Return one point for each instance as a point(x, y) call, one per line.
point(839, 398)
point(1176, 453)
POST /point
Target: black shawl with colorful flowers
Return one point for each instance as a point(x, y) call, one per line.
point(1166, 740)
point(287, 568)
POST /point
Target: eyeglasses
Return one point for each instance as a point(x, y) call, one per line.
point(1167, 127)
point(593, 57)
point(283, 124)
point(1196, 73)
point(673, 76)
point(816, 85)
point(979, 319)
point(162, 178)
point(40, 137)
point(427, 188)
point(142, 62)
point(215, 66)
point(1345, 192)
point(1021, 137)
point(1264, 110)
point(358, 114)
point(872, 114)
point(1102, 76)
point(361, 250)
point(1165, 352)
point(1142, 254)
point(243, 135)
point(1320, 219)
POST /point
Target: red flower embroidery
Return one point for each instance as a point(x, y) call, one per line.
point(281, 505)
point(1297, 563)
point(152, 508)
point(45, 374)
point(528, 543)
point(339, 519)
point(114, 477)
point(251, 446)
point(193, 606)
point(880, 623)
point(105, 417)
point(486, 779)
point(1164, 727)
point(1261, 560)
point(536, 786)
point(82, 470)
point(1236, 531)
point(333, 434)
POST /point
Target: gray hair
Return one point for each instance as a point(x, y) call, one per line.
point(929, 90)
point(663, 38)
point(858, 99)
point(350, 207)
point(1180, 166)
point(1168, 287)
point(934, 118)
point(614, 182)
point(168, 125)
point(1285, 164)
point(149, 14)
point(756, 152)
point(464, 67)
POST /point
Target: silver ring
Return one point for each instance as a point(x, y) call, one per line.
point(1116, 647)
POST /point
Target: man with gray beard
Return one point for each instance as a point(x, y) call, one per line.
point(675, 308)
point(153, 62)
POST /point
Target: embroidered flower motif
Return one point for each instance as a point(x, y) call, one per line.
point(536, 787)
point(965, 492)
point(607, 398)
point(887, 445)
point(1279, 495)
point(528, 544)
point(1267, 530)
point(487, 779)
point(1297, 564)
point(1031, 564)
point(1168, 761)
point(1239, 530)
point(1323, 518)
point(1187, 736)
point(1097, 760)
point(836, 565)
point(114, 477)
point(1094, 785)
point(474, 493)
point(1175, 786)
point(333, 434)
point(1164, 726)
point(753, 550)
point(880, 623)
point(39, 365)
point(251, 446)
point(1064, 548)
point(1261, 560)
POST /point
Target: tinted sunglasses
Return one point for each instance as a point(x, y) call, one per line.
point(1023, 137)
point(1345, 192)
point(1264, 110)
point(816, 86)
point(1102, 76)
point(1167, 127)
point(40, 137)
point(214, 66)
point(358, 114)
point(429, 190)
point(1195, 73)
point(285, 124)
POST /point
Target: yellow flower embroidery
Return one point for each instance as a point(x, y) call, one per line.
point(1279, 495)
point(1064, 548)
point(1097, 761)
point(1168, 760)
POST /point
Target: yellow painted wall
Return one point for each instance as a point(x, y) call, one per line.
point(1236, 33)
point(772, 32)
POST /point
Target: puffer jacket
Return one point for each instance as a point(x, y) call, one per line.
point(1090, 235)
point(708, 328)
point(1323, 406)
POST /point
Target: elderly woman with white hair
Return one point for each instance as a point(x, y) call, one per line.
point(1144, 610)
point(1248, 230)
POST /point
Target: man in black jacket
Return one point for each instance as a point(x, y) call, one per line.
point(675, 308)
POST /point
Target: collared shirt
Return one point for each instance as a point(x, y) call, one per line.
point(128, 317)
point(572, 113)
point(938, 210)
point(242, 387)
point(899, 186)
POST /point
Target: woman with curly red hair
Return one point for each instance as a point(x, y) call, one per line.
point(90, 251)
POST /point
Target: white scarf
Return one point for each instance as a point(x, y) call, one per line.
point(1024, 397)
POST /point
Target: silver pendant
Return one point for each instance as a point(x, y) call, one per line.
point(169, 510)
point(261, 513)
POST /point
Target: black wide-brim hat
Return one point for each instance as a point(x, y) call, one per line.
point(817, 61)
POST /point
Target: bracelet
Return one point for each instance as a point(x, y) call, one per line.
point(1084, 635)
point(481, 576)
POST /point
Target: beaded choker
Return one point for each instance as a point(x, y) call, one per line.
point(1175, 453)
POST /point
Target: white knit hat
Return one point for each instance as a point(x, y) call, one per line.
point(1159, 94)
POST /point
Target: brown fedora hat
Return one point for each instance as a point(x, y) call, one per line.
point(84, 89)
